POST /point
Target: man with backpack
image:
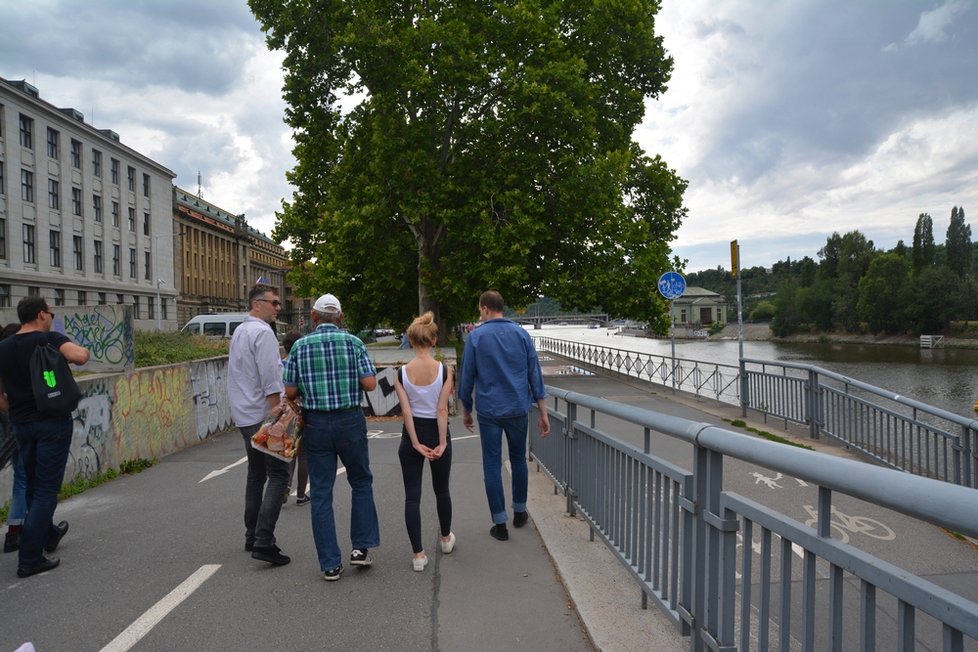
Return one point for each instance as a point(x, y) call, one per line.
point(43, 439)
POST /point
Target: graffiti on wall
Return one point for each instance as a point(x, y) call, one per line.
point(210, 397)
point(104, 330)
point(91, 440)
point(151, 416)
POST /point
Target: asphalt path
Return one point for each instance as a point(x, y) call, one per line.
point(156, 561)
point(925, 550)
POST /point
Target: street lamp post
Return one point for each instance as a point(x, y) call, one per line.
point(156, 271)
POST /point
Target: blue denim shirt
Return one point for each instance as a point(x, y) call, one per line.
point(500, 366)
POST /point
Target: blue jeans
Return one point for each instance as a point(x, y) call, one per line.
point(491, 431)
point(342, 435)
point(43, 448)
point(263, 503)
point(18, 501)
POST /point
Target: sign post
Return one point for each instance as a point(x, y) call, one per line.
point(671, 287)
point(735, 272)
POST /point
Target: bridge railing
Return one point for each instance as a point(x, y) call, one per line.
point(894, 430)
point(735, 574)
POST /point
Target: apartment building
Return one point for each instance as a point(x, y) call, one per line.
point(84, 219)
point(221, 258)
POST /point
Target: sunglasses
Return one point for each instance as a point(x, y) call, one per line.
point(276, 303)
point(49, 312)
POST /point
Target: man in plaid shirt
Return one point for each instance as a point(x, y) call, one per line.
point(329, 369)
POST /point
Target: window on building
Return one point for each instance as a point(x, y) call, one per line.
point(97, 207)
point(132, 219)
point(145, 185)
point(163, 307)
point(76, 201)
point(4, 296)
point(135, 307)
point(82, 298)
point(54, 194)
point(33, 291)
point(116, 261)
point(54, 144)
point(54, 238)
point(3, 239)
point(145, 223)
point(131, 178)
point(115, 214)
point(101, 299)
point(150, 309)
point(29, 244)
point(27, 185)
point(3, 184)
point(76, 147)
point(96, 163)
point(78, 250)
point(120, 299)
point(115, 172)
point(148, 265)
point(26, 132)
point(98, 257)
point(59, 297)
point(132, 262)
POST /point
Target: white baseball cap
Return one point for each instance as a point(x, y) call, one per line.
point(327, 303)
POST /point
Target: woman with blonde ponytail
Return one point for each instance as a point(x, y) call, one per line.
point(423, 386)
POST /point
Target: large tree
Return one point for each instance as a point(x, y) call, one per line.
point(923, 243)
point(958, 243)
point(445, 147)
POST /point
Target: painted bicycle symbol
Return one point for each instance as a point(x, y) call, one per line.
point(843, 524)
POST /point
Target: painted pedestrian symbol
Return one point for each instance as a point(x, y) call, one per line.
point(672, 285)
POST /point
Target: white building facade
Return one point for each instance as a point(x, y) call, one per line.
point(84, 219)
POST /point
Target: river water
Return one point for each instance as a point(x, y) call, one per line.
point(944, 378)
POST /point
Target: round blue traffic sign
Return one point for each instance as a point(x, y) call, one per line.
point(672, 285)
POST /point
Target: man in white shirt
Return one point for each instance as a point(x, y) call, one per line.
point(254, 391)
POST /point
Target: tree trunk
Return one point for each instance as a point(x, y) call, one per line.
point(428, 259)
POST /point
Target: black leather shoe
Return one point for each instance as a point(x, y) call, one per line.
point(42, 566)
point(56, 535)
point(11, 542)
point(499, 532)
point(520, 519)
point(271, 554)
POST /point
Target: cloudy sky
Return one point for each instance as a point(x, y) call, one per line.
point(790, 119)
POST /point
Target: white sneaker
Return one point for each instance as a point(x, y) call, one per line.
point(448, 546)
point(419, 563)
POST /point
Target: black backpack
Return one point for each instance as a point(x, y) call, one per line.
point(55, 391)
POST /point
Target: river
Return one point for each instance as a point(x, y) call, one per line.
point(945, 378)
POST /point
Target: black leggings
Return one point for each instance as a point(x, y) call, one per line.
point(412, 469)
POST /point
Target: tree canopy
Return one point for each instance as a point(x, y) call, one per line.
point(448, 147)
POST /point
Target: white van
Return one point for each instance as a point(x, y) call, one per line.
point(222, 324)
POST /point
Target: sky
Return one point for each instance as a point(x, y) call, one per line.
point(790, 119)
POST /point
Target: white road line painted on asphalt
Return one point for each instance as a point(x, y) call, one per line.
point(145, 623)
point(214, 474)
point(465, 437)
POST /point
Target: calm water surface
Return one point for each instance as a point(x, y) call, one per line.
point(945, 378)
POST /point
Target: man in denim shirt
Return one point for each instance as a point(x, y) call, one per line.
point(501, 367)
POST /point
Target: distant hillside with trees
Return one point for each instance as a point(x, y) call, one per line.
point(857, 288)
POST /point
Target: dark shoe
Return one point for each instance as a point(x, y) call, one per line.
point(499, 532)
point(249, 546)
point(42, 566)
point(359, 557)
point(520, 519)
point(285, 496)
point(333, 574)
point(55, 536)
point(302, 500)
point(272, 554)
point(11, 542)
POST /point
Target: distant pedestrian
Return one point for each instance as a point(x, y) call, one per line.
point(423, 386)
point(43, 442)
point(298, 465)
point(329, 369)
point(500, 366)
point(254, 392)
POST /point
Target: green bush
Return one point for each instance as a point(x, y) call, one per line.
point(156, 348)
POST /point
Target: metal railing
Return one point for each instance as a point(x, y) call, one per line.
point(723, 566)
point(894, 430)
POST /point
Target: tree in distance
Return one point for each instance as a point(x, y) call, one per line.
point(448, 147)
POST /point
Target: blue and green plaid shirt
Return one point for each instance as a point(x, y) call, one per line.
point(327, 366)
